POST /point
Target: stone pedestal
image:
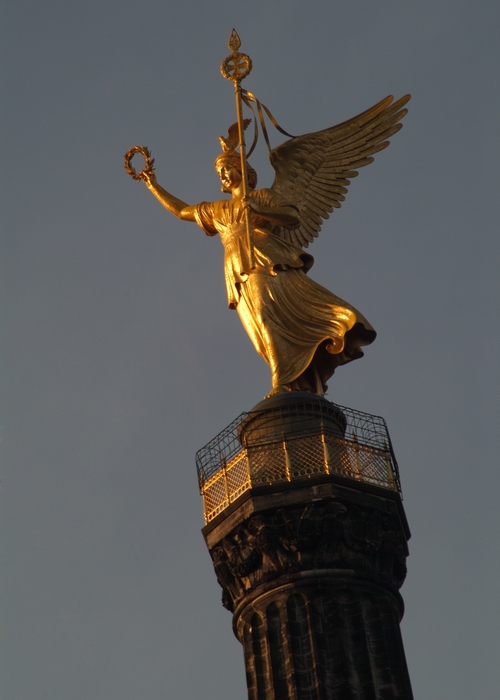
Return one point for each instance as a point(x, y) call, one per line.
point(311, 570)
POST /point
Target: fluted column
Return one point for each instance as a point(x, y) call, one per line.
point(312, 574)
point(311, 564)
point(323, 637)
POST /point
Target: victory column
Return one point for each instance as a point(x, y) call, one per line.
point(301, 497)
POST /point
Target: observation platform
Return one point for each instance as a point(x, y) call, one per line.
point(294, 437)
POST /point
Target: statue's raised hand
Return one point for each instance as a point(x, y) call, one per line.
point(149, 178)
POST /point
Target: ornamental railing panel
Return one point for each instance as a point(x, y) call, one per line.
point(230, 464)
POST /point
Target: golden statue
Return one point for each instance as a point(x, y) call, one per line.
point(303, 331)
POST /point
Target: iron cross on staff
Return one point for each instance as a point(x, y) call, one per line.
point(236, 67)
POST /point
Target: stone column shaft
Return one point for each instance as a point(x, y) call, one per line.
point(311, 573)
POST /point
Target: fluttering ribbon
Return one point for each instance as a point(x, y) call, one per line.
point(249, 98)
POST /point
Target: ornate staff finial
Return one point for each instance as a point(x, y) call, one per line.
point(234, 42)
point(236, 67)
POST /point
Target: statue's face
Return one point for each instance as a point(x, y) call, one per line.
point(229, 176)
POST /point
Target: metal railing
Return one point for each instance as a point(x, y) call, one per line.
point(242, 456)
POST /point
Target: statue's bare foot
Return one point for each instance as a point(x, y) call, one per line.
point(281, 389)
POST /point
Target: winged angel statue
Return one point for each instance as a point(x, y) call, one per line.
point(303, 331)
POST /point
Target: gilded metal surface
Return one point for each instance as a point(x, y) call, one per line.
point(290, 438)
point(236, 67)
point(148, 162)
point(292, 459)
point(303, 331)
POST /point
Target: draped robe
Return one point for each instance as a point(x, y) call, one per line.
point(289, 317)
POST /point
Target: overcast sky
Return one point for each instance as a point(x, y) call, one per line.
point(122, 359)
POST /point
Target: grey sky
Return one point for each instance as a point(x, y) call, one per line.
point(122, 358)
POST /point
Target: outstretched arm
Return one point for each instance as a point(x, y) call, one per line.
point(175, 206)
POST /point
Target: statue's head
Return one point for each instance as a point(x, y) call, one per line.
point(231, 161)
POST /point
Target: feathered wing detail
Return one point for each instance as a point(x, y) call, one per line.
point(313, 171)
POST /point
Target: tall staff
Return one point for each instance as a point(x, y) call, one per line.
point(236, 67)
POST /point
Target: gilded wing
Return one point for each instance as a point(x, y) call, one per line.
point(313, 171)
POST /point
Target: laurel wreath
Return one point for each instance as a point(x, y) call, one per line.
point(149, 162)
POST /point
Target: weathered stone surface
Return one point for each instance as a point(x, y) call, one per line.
point(311, 572)
point(335, 531)
point(329, 636)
